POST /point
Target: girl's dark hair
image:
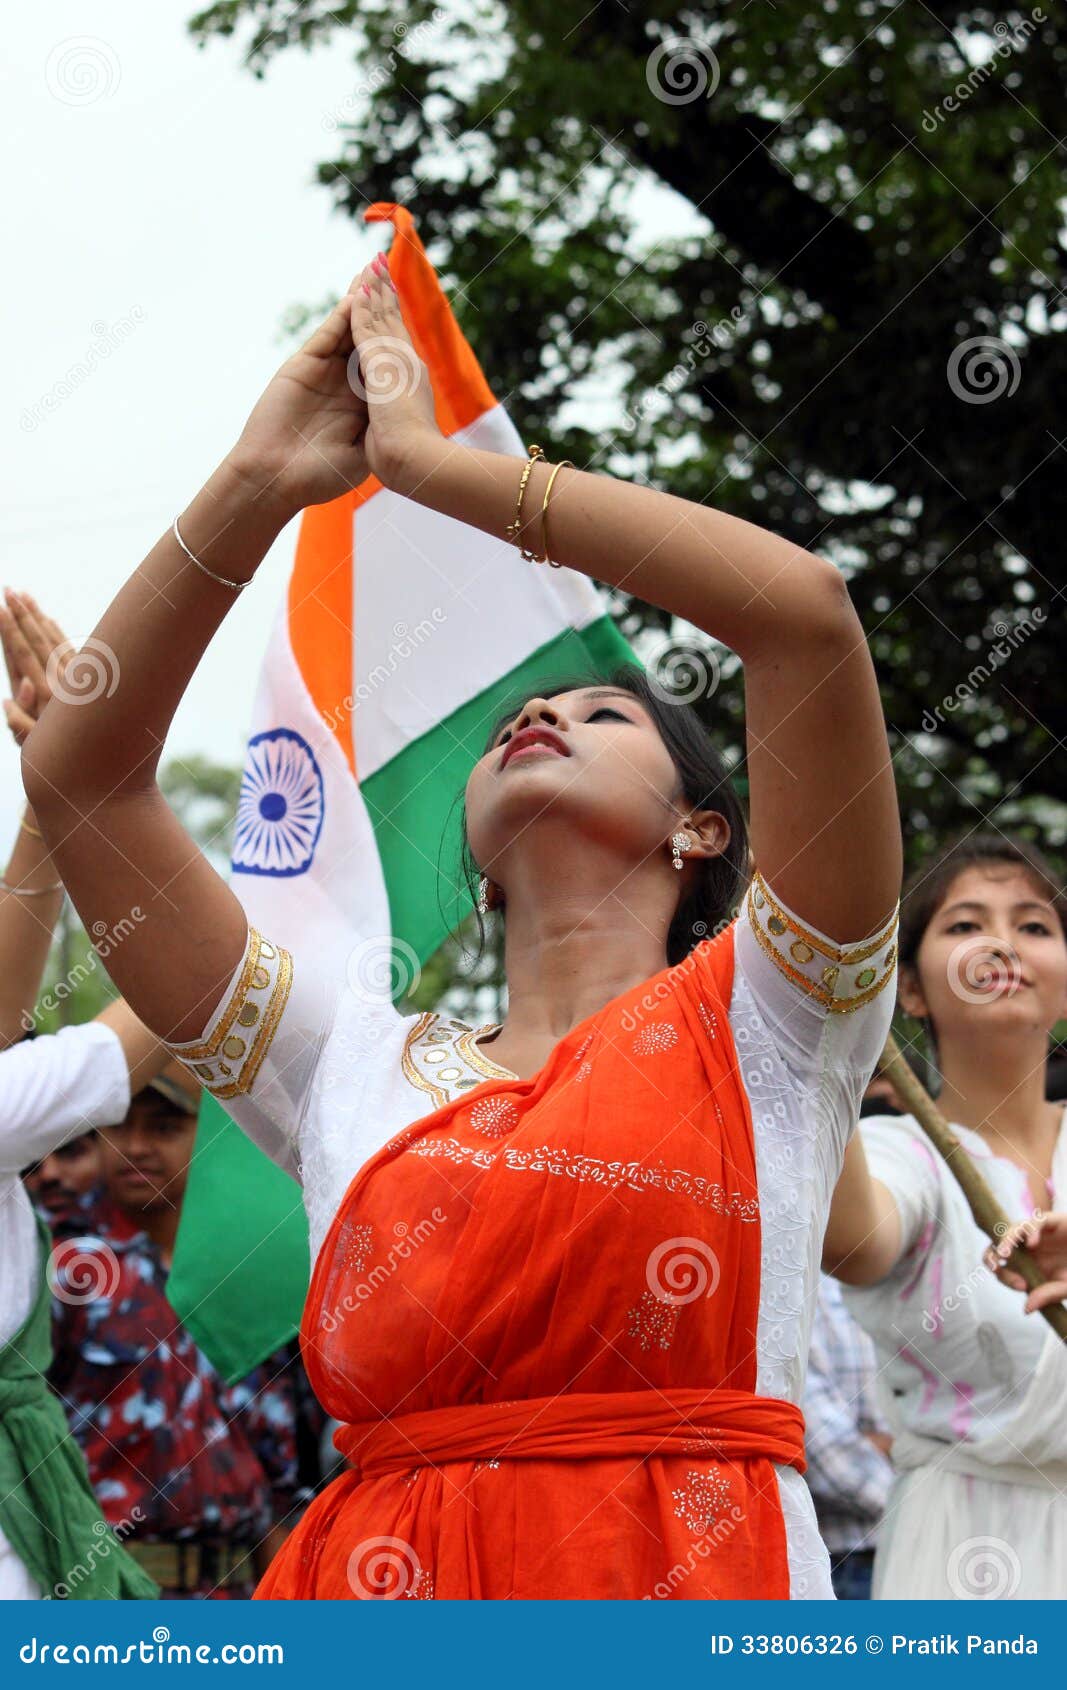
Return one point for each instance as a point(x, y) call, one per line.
point(719, 882)
point(927, 887)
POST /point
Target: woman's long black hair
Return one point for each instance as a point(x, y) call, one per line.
point(719, 882)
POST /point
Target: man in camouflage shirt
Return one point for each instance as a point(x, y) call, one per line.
point(198, 1478)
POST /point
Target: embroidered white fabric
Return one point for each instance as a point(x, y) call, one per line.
point(342, 1074)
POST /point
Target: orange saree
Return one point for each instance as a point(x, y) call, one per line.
point(535, 1316)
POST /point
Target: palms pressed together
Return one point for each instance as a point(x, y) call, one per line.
point(343, 407)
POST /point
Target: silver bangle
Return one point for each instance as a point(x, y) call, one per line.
point(234, 586)
point(30, 891)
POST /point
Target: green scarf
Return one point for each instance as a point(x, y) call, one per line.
point(48, 1512)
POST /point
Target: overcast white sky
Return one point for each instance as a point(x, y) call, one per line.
point(162, 217)
point(160, 202)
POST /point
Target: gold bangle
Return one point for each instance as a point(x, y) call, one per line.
point(30, 891)
point(34, 832)
point(544, 512)
point(514, 529)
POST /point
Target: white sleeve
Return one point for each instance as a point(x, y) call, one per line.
point(830, 1006)
point(57, 1086)
point(899, 1154)
point(259, 1051)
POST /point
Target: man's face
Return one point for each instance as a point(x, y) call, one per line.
point(56, 1182)
point(145, 1159)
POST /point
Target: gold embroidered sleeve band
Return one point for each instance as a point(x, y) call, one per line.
point(230, 1054)
point(841, 978)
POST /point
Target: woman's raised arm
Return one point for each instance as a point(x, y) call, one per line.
point(824, 820)
point(90, 764)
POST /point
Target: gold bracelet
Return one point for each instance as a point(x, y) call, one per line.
point(514, 529)
point(34, 832)
point(544, 511)
point(30, 891)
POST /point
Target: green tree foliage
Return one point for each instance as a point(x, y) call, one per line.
point(852, 193)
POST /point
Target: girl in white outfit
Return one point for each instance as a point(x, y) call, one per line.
point(973, 1380)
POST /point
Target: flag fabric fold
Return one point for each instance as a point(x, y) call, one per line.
point(400, 635)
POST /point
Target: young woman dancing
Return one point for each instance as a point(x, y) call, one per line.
point(561, 1290)
point(974, 1390)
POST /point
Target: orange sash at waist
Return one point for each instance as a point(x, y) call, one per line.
point(681, 1421)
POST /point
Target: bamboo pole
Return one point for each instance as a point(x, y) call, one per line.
point(988, 1214)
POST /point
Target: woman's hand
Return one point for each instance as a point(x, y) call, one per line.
point(390, 374)
point(303, 442)
point(347, 405)
point(37, 653)
point(1045, 1236)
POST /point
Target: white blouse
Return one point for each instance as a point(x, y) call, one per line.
point(958, 1354)
point(322, 1077)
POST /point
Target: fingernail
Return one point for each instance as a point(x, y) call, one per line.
point(365, 288)
point(391, 282)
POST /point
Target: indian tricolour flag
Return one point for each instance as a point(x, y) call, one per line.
point(401, 634)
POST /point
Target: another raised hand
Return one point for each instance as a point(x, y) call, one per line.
point(37, 654)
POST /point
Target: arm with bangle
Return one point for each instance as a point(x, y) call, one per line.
point(826, 830)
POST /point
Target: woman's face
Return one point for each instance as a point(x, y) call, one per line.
point(993, 956)
point(606, 775)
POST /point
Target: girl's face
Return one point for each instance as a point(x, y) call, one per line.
point(607, 775)
point(993, 956)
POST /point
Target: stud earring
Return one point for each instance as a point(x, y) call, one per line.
point(679, 842)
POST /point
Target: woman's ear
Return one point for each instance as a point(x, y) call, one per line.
point(710, 829)
point(910, 993)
